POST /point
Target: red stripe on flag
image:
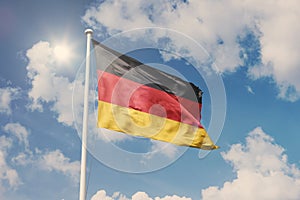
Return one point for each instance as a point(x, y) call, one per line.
point(123, 92)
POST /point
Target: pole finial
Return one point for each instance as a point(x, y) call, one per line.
point(88, 31)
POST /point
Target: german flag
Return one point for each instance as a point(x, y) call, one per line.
point(140, 100)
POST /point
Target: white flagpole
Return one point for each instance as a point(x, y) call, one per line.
point(82, 193)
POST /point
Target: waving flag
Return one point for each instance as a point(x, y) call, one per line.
point(140, 100)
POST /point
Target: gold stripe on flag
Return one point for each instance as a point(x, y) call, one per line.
point(137, 123)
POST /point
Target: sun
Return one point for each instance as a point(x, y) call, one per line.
point(62, 53)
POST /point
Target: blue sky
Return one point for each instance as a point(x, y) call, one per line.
point(254, 49)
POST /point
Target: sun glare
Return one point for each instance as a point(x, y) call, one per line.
point(62, 53)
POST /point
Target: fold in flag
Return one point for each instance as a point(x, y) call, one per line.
point(140, 100)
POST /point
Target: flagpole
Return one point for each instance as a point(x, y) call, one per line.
point(82, 192)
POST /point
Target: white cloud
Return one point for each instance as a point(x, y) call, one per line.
point(51, 161)
point(101, 195)
point(7, 95)
point(158, 147)
point(217, 25)
point(278, 23)
point(5, 142)
point(249, 89)
point(57, 161)
point(49, 81)
point(141, 196)
point(263, 171)
point(193, 19)
point(18, 131)
point(9, 178)
point(16, 157)
point(23, 158)
point(173, 197)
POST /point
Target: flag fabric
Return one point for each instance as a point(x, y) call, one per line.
point(140, 100)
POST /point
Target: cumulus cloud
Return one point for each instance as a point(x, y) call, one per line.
point(101, 194)
point(19, 131)
point(51, 161)
point(217, 25)
point(9, 177)
point(192, 19)
point(49, 81)
point(262, 169)
point(157, 147)
point(57, 161)
point(7, 173)
point(7, 95)
point(277, 22)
